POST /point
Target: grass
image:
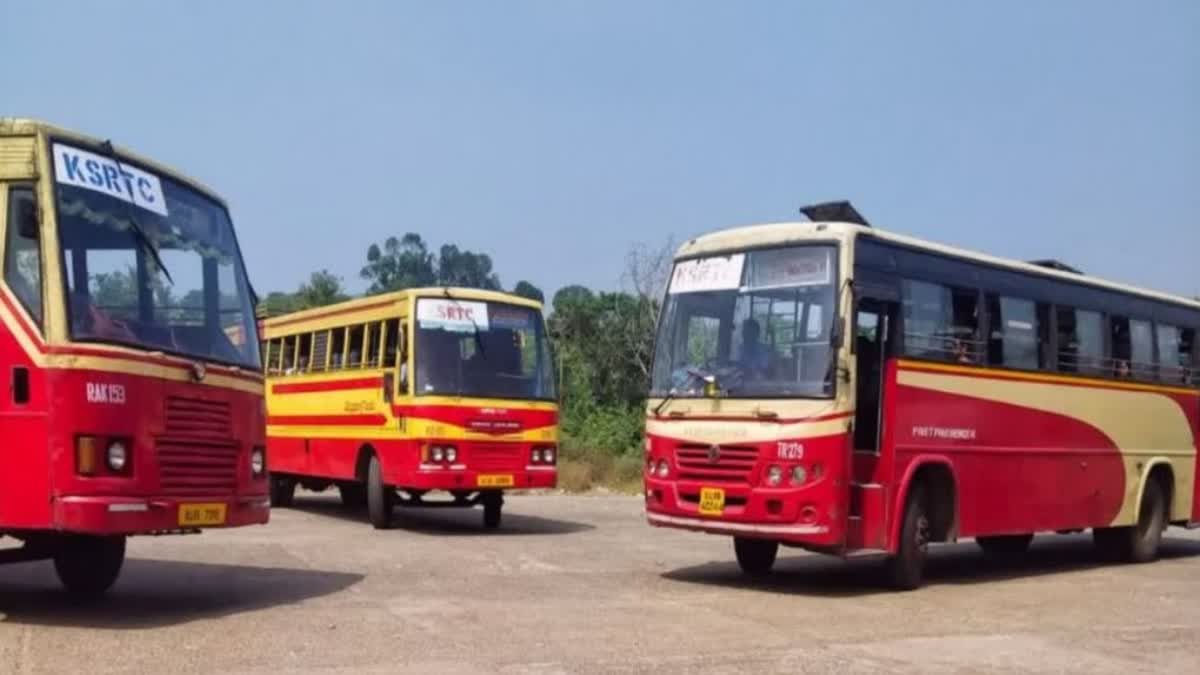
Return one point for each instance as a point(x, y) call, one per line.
point(581, 470)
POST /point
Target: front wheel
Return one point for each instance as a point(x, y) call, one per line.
point(906, 568)
point(1005, 545)
point(88, 566)
point(381, 498)
point(493, 505)
point(756, 557)
point(283, 491)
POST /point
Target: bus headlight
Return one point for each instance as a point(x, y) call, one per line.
point(548, 455)
point(117, 456)
point(258, 462)
point(774, 475)
point(451, 454)
point(437, 454)
point(663, 468)
point(799, 475)
point(536, 456)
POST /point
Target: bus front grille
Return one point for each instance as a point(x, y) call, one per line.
point(725, 464)
point(495, 457)
point(187, 417)
point(188, 468)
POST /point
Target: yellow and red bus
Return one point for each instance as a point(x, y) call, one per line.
point(134, 397)
point(831, 386)
point(393, 396)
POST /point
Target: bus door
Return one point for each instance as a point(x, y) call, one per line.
point(876, 318)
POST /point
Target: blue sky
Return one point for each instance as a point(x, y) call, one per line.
point(555, 135)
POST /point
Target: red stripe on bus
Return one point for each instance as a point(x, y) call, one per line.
point(332, 385)
point(326, 315)
point(327, 420)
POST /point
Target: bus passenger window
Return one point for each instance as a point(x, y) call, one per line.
point(1080, 341)
point(320, 351)
point(1132, 348)
point(941, 322)
point(1015, 339)
point(304, 353)
point(354, 353)
point(392, 343)
point(337, 348)
point(22, 261)
point(373, 335)
point(289, 355)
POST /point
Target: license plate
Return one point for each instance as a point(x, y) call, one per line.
point(494, 480)
point(201, 514)
point(712, 501)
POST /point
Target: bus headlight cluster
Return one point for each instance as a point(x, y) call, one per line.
point(543, 456)
point(774, 475)
point(663, 468)
point(117, 456)
point(258, 462)
point(440, 454)
point(797, 475)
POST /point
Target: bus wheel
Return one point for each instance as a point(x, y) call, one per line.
point(1005, 545)
point(283, 491)
point(354, 495)
point(906, 567)
point(88, 566)
point(381, 498)
point(493, 504)
point(756, 557)
point(1138, 543)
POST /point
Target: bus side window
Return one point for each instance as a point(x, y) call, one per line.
point(374, 337)
point(22, 259)
point(391, 347)
point(354, 347)
point(274, 348)
point(289, 355)
point(337, 352)
point(941, 322)
point(320, 351)
point(303, 353)
point(1016, 332)
point(1132, 348)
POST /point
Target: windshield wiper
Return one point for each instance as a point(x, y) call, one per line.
point(138, 233)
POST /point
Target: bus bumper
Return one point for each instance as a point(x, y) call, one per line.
point(458, 480)
point(139, 515)
point(798, 516)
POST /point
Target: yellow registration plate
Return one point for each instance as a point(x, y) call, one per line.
point(494, 480)
point(201, 514)
point(712, 501)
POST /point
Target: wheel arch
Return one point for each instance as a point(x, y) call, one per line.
point(363, 460)
point(1158, 468)
point(938, 472)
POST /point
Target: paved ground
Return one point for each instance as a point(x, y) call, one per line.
point(581, 584)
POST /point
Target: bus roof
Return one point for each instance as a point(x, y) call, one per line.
point(781, 234)
point(18, 126)
point(384, 302)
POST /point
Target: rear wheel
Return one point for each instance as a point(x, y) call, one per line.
point(1140, 542)
point(756, 557)
point(354, 495)
point(906, 568)
point(88, 566)
point(283, 491)
point(1005, 545)
point(381, 498)
point(493, 505)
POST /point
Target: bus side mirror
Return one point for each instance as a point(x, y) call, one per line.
point(27, 219)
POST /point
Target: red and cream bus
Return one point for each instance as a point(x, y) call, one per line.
point(830, 386)
point(133, 400)
point(425, 390)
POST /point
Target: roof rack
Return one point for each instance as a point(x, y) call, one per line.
point(1056, 265)
point(840, 211)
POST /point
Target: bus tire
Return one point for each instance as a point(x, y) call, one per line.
point(906, 567)
point(381, 498)
point(88, 566)
point(493, 507)
point(1005, 545)
point(354, 495)
point(756, 557)
point(1139, 543)
point(283, 491)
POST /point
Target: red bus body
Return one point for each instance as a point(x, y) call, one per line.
point(991, 452)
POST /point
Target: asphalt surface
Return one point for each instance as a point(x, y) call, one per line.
point(582, 584)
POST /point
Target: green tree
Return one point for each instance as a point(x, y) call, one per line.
point(528, 290)
point(276, 303)
point(322, 288)
point(466, 268)
point(400, 263)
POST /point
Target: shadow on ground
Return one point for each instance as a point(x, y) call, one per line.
point(153, 593)
point(442, 521)
point(956, 564)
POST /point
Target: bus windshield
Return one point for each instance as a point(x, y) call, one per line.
point(755, 324)
point(150, 262)
point(481, 349)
